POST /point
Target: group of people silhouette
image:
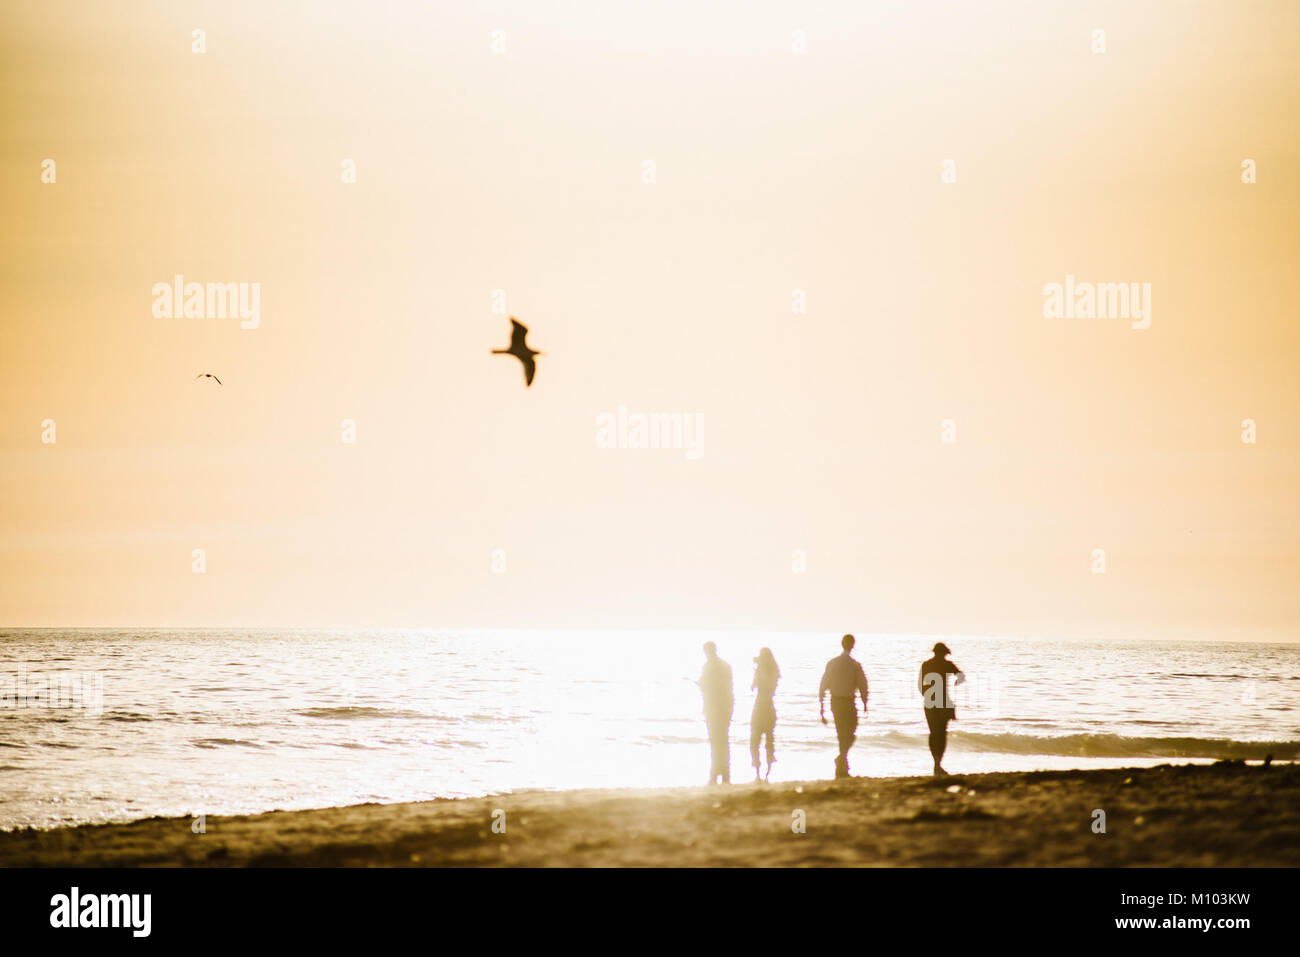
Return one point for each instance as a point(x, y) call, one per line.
point(843, 680)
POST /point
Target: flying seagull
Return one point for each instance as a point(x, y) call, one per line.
point(208, 375)
point(519, 349)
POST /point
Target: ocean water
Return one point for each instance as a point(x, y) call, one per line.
point(114, 725)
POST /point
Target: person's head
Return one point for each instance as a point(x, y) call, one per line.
point(941, 650)
point(710, 650)
point(765, 658)
point(847, 642)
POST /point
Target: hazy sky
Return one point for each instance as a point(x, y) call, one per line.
point(774, 171)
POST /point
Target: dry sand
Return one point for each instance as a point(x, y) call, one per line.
point(1199, 816)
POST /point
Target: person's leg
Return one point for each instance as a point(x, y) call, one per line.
point(720, 743)
point(853, 733)
point(755, 739)
point(846, 723)
point(838, 714)
point(941, 742)
point(938, 723)
point(769, 729)
point(713, 750)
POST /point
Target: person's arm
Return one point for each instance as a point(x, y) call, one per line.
point(961, 675)
point(862, 687)
point(821, 693)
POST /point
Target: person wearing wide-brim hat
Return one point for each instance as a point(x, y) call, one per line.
point(939, 709)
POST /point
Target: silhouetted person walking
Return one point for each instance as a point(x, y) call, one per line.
point(719, 702)
point(939, 709)
point(763, 720)
point(844, 679)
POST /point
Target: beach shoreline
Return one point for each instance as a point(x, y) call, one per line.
point(1227, 814)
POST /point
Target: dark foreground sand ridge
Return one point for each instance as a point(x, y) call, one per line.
point(1227, 814)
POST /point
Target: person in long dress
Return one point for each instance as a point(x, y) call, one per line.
point(762, 723)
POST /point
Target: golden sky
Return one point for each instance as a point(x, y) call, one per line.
point(774, 171)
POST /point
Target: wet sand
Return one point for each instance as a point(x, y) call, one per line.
point(1221, 815)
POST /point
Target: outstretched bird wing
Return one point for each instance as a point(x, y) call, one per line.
point(530, 367)
point(518, 333)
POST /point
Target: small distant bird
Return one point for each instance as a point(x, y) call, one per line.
point(207, 375)
point(519, 349)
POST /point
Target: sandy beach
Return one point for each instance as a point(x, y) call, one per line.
point(1222, 815)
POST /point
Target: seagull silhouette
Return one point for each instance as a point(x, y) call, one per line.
point(208, 375)
point(519, 349)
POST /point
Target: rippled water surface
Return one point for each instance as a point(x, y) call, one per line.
point(220, 722)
